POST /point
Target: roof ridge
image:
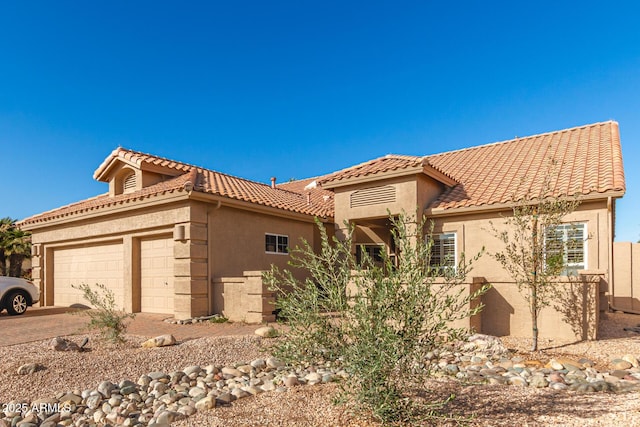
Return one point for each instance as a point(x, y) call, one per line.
point(141, 153)
point(536, 135)
point(268, 186)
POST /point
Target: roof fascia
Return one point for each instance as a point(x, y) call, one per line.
point(118, 207)
point(431, 172)
point(443, 212)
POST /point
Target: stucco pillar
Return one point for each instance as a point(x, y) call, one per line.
point(190, 270)
point(36, 270)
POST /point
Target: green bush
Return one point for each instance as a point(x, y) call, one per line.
point(109, 321)
point(378, 319)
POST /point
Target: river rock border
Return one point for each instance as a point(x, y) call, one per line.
point(159, 398)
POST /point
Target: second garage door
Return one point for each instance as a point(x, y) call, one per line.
point(90, 265)
point(156, 273)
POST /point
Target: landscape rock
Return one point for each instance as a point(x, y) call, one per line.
point(267, 332)
point(160, 341)
point(62, 344)
point(29, 368)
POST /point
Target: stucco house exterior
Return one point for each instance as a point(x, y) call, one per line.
point(174, 238)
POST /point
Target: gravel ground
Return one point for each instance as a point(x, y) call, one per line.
point(312, 405)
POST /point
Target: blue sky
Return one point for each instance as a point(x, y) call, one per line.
point(300, 88)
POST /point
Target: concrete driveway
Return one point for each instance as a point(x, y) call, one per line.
point(41, 323)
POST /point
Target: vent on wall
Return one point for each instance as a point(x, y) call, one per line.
point(129, 183)
point(373, 196)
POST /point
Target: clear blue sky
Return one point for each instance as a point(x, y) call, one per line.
point(300, 88)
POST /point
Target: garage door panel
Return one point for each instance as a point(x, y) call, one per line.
point(92, 264)
point(156, 276)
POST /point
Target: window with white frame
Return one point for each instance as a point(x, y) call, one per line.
point(276, 243)
point(566, 243)
point(443, 253)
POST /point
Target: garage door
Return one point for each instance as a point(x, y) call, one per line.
point(156, 274)
point(91, 264)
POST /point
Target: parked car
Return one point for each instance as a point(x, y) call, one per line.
point(17, 294)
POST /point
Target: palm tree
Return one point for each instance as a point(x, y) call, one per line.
point(17, 248)
point(6, 225)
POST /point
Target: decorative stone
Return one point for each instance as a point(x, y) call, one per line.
point(206, 403)
point(267, 332)
point(105, 388)
point(29, 368)
point(231, 372)
point(619, 364)
point(160, 341)
point(62, 344)
point(274, 363)
point(631, 359)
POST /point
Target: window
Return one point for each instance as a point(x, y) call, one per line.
point(276, 244)
point(443, 253)
point(566, 244)
point(373, 251)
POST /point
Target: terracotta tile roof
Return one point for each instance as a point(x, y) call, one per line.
point(204, 181)
point(104, 200)
point(390, 162)
point(287, 197)
point(138, 159)
point(589, 162)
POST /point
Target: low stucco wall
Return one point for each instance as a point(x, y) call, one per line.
point(573, 316)
point(243, 299)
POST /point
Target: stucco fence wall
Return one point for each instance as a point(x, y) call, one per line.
point(626, 289)
point(572, 316)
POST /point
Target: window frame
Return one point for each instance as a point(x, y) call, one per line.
point(376, 259)
point(277, 250)
point(566, 228)
point(439, 270)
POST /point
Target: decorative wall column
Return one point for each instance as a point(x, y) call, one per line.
point(190, 266)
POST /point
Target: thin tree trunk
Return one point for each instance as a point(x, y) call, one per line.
point(534, 324)
point(15, 265)
point(3, 264)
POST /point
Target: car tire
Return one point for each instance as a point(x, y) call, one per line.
point(16, 303)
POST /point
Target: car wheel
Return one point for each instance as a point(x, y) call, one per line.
point(16, 303)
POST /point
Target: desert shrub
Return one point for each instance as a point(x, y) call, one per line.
point(105, 317)
point(378, 319)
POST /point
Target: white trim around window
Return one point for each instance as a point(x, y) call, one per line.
point(575, 254)
point(277, 244)
point(444, 252)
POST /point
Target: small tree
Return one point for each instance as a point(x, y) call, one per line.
point(379, 321)
point(533, 261)
point(105, 317)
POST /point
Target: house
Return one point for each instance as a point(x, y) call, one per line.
point(174, 238)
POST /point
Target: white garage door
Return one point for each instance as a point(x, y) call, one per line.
point(156, 276)
point(91, 264)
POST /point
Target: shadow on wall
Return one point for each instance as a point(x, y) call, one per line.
point(577, 302)
point(496, 315)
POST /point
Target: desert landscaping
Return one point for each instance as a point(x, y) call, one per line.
point(233, 379)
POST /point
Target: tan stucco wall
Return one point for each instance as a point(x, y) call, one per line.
point(626, 292)
point(238, 240)
point(406, 200)
point(508, 313)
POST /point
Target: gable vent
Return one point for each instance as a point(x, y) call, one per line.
point(373, 196)
point(129, 184)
